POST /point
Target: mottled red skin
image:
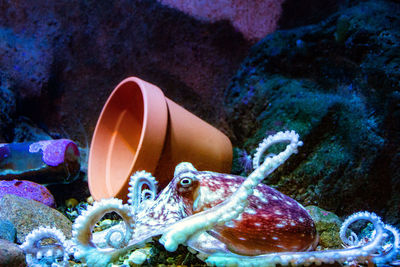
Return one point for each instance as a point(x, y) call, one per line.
point(272, 222)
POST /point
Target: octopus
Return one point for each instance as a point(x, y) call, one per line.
point(227, 220)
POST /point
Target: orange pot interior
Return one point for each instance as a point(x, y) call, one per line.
point(132, 120)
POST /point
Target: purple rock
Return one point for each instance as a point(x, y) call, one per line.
point(28, 190)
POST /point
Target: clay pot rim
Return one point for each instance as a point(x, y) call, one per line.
point(147, 131)
point(154, 109)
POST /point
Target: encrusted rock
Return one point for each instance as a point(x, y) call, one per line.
point(28, 190)
point(336, 83)
point(328, 226)
point(27, 215)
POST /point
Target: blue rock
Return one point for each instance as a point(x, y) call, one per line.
point(7, 230)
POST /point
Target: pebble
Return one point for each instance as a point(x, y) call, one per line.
point(11, 254)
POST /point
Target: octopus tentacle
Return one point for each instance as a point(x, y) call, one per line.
point(231, 208)
point(262, 148)
point(344, 229)
point(137, 194)
point(53, 254)
point(360, 253)
point(86, 249)
point(390, 254)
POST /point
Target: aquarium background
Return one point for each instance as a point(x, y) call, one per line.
point(330, 70)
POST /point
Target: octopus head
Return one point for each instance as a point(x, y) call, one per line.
point(186, 185)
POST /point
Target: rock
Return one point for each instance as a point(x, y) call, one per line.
point(328, 226)
point(28, 190)
point(255, 21)
point(45, 161)
point(7, 230)
point(11, 254)
point(27, 131)
point(7, 107)
point(336, 83)
point(27, 61)
point(27, 215)
point(191, 60)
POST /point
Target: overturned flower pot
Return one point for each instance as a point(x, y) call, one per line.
point(140, 129)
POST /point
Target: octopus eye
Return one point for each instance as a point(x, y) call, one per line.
point(186, 182)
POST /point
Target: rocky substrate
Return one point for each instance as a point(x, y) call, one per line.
point(336, 83)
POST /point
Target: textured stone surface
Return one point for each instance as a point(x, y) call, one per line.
point(27, 215)
point(28, 190)
point(11, 254)
point(7, 106)
point(27, 130)
point(328, 226)
point(336, 83)
point(254, 19)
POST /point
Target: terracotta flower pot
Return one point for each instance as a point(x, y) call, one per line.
point(140, 129)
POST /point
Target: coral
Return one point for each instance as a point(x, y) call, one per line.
point(29, 190)
point(55, 152)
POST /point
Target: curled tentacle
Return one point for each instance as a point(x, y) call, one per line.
point(353, 240)
point(50, 254)
point(359, 253)
point(116, 238)
point(236, 203)
point(137, 194)
point(390, 249)
point(99, 255)
point(268, 142)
